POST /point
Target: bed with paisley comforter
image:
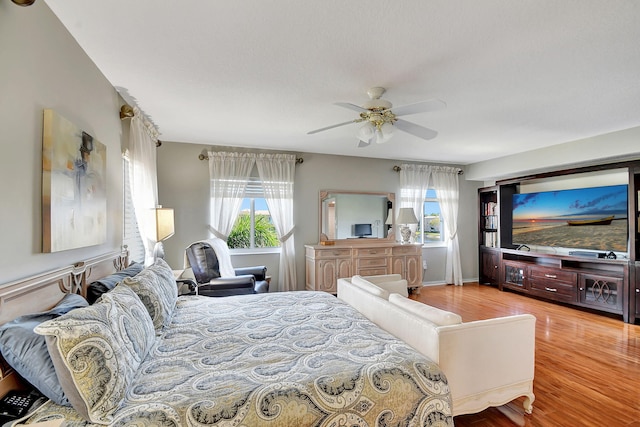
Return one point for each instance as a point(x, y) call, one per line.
point(143, 356)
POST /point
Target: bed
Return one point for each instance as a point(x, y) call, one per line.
point(280, 359)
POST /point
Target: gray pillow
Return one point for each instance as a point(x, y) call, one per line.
point(96, 351)
point(104, 285)
point(157, 289)
point(27, 353)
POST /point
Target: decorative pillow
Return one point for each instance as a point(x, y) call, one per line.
point(427, 312)
point(96, 351)
point(27, 353)
point(156, 287)
point(99, 287)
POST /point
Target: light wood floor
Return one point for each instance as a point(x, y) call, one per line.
point(587, 365)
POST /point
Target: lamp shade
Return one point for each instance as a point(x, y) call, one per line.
point(164, 223)
point(407, 216)
point(389, 220)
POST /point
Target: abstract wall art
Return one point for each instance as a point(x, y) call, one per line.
point(74, 196)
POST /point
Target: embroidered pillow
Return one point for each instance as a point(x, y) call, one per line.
point(156, 287)
point(96, 351)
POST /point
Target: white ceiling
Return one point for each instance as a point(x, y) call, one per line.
point(516, 75)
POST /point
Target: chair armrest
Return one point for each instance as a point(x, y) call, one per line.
point(186, 286)
point(259, 271)
point(246, 279)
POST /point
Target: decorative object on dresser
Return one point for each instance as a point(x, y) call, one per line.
point(406, 217)
point(325, 265)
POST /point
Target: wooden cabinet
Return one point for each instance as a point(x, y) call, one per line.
point(326, 264)
point(489, 266)
point(601, 292)
point(594, 283)
point(513, 275)
point(407, 261)
point(552, 283)
point(635, 294)
point(325, 267)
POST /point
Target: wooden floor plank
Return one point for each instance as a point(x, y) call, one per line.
point(587, 364)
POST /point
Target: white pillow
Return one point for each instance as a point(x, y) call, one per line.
point(424, 311)
point(367, 286)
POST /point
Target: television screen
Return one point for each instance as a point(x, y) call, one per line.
point(585, 218)
point(361, 230)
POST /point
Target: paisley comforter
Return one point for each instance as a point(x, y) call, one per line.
point(281, 359)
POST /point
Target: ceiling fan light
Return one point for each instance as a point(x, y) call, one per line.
point(366, 132)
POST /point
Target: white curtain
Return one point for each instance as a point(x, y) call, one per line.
point(229, 174)
point(414, 183)
point(142, 170)
point(277, 172)
point(446, 184)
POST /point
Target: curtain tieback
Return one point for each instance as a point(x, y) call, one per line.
point(218, 234)
point(286, 236)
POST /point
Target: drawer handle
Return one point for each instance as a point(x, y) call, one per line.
point(550, 276)
point(551, 289)
point(373, 252)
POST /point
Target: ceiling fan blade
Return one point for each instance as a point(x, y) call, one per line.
point(416, 130)
point(419, 107)
point(331, 127)
point(349, 106)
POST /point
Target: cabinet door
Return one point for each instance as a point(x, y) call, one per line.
point(327, 276)
point(490, 267)
point(413, 270)
point(514, 275)
point(601, 292)
point(343, 269)
point(399, 266)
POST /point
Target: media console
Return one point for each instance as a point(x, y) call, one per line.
point(595, 283)
point(600, 280)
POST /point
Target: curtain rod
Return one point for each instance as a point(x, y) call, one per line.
point(205, 157)
point(397, 168)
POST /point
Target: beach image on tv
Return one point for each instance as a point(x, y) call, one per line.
point(586, 218)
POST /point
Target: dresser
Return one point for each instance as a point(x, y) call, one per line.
point(326, 264)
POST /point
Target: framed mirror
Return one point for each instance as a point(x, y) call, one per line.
point(356, 215)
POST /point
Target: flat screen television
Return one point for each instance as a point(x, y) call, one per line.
point(361, 230)
point(583, 218)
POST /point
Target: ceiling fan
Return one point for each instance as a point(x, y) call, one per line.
point(380, 121)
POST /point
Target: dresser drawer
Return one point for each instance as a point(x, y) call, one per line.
point(543, 274)
point(557, 290)
point(372, 262)
point(406, 250)
point(372, 271)
point(333, 253)
point(372, 252)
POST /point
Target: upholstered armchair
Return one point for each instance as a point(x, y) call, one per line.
point(208, 262)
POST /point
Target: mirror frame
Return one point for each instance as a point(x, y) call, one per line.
point(391, 197)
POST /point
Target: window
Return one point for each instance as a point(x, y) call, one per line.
point(431, 229)
point(253, 228)
point(130, 232)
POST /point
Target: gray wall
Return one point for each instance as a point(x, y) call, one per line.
point(606, 148)
point(183, 183)
point(43, 67)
